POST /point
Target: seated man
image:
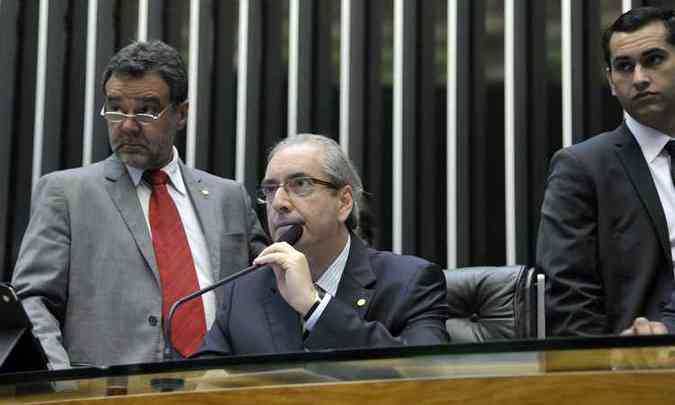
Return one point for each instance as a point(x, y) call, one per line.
point(330, 290)
point(607, 231)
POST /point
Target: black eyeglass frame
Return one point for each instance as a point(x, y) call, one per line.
point(266, 192)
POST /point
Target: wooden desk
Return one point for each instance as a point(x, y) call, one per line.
point(627, 371)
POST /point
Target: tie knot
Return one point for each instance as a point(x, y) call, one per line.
point(157, 177)
point(670, 148)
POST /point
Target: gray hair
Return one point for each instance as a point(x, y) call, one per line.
point(140, 58)
point(336, 166)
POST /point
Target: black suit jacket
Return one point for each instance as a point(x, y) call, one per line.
point(603, 238)
point(405, 303)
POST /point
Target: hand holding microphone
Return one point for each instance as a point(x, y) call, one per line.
point(291, 236)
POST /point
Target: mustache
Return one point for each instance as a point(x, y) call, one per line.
point(644, 94)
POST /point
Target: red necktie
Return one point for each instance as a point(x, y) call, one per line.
point(177, 272)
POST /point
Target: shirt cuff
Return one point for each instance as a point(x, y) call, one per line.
point(317, 312)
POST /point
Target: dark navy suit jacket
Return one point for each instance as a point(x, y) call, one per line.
point(405, 304)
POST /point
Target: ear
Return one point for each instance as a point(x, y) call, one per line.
point(345, 203)
point(182, 114)
point(608, 74)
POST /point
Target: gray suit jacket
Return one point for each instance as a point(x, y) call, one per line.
point(86, 270)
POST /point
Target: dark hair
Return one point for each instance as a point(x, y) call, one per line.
point(140, 58)
point(338, 168)
point(635, 19)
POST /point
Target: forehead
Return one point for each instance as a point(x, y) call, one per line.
point(295, 159)
point(150, 85)
point(632, 44)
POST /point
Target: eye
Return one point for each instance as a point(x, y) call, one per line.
point(623, 67)
point(150, 110)
point(112, 108)
point(300, 185)
point(654, 59)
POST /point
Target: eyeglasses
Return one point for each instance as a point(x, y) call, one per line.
point(115, 117)
point(296, 186)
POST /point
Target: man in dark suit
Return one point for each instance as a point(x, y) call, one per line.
point(607, 231)
point(110, 246)
point(329, 290)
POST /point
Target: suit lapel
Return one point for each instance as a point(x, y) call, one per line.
point(630, 155)
point(356, 285)
point(123, 194)
point(283, 322)
point(207, 211)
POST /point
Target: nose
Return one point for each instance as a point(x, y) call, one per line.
point(130, 125)
point(280, 201)
point(641, 79)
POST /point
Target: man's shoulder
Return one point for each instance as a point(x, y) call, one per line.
point(603, 143)
point(77, 174)
point(393, 265)
point(212, 178)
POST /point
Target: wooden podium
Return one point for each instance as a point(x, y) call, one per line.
point(614, 370)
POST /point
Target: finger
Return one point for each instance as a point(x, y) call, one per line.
point(641, 326)
point(659, 328)
point(628, 332)
point(273, 258)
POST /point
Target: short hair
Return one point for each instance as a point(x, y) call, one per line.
point(336, 166)
point(140, 58)
point(635, 19)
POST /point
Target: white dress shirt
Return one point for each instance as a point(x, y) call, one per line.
point(193, 231)
point(652, 144)
point(329, 282)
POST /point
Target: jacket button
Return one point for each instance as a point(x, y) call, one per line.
point(152, 320)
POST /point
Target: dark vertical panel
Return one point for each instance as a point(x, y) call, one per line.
point(105, 48)
point(487, 136)
point(253, 156)
point(523, 75)
point(224, 91)
point(465, 96)
point(176, 34)
point(73, 95)
point(127, 22)
point(325, 95)
point(540, 134)
point(377, 105)
point(357, 76)
point(24, 114)
point(306, 79)
point(478, 175)
point(53, 137)
point(204, 85)
point(156, 19)
point(273, 115)
point(409, 111)
point(431, 140)
point(9, 15)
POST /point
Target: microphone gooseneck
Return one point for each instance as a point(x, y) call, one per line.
point(291, 236)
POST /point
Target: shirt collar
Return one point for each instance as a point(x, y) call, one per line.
point(651, 141)
point(330, 279)
point(171, 168)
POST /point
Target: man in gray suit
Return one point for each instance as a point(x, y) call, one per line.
point(92, 267)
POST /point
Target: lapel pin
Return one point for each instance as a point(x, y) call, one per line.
point(205, 192)
point(361, 302)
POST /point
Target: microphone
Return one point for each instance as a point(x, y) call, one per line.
point(291, 236)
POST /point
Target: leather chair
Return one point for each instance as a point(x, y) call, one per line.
point(495, 303)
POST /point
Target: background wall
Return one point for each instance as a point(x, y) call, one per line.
point(451, 109)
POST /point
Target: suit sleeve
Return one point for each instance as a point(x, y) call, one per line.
point(567, 251)
point(418, 318)
point(41, 273)
point(669, 315)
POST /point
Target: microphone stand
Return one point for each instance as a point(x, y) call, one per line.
point(196, 294)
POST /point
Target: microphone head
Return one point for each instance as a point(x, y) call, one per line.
point(292, 234)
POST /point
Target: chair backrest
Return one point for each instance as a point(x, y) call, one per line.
point(494, 303)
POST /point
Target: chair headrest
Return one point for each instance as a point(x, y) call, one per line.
point(485, 302)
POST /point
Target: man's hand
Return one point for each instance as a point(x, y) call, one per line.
point(643, 326)
point(291, 270)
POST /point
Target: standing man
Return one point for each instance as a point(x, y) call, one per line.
point(607, 232)
point(109, 247)
point(329, 290)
